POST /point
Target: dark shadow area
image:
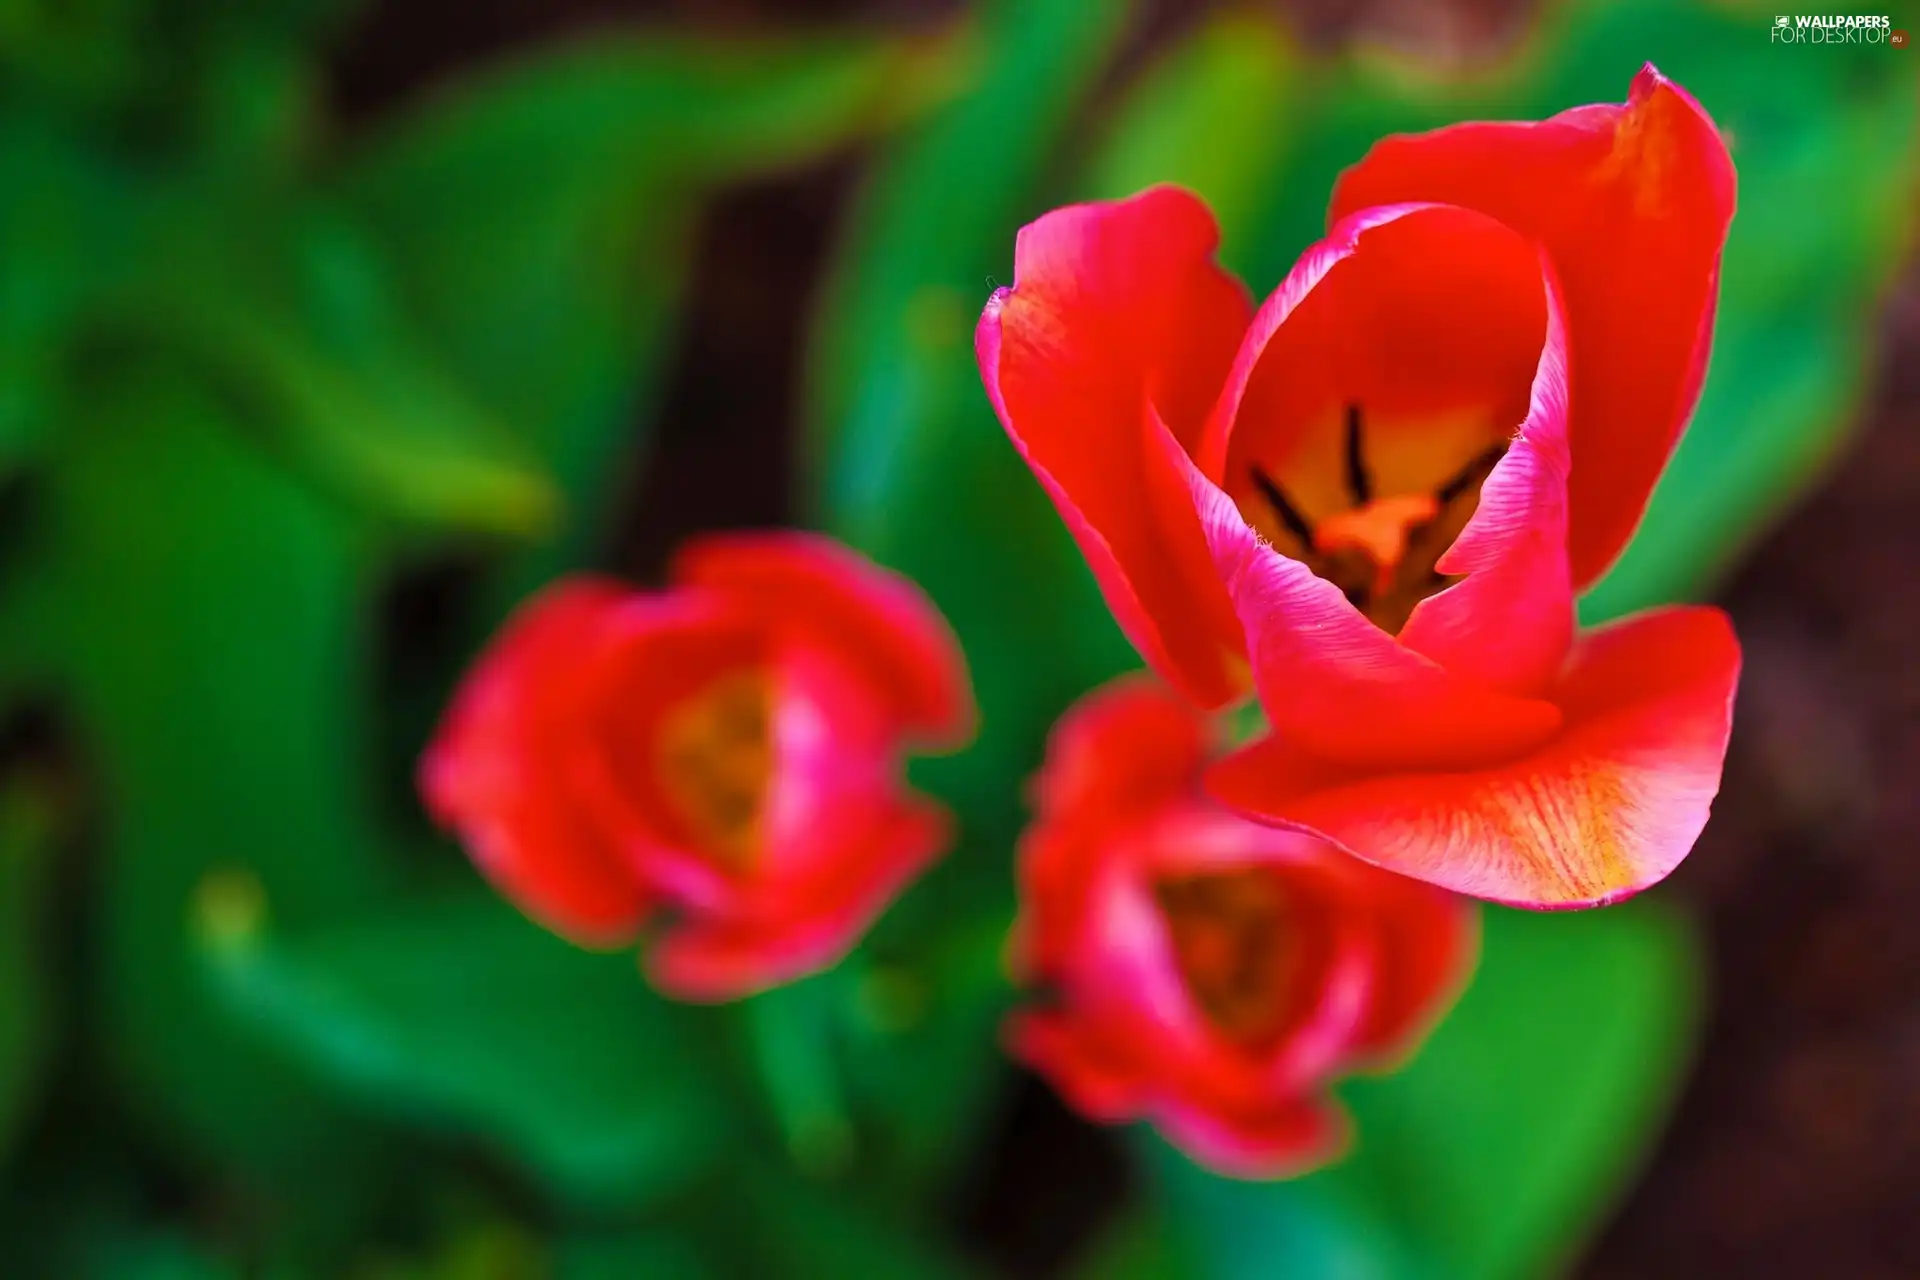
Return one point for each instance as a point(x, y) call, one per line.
point(1047, 1184)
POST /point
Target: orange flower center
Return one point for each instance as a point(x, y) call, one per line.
point(1237, 955)
point(1378, 531)
point(1381, 551)
point(715, 756)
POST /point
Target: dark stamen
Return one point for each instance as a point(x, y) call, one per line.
point(1358, 482)
point(1277, 499)
point(1477, 469)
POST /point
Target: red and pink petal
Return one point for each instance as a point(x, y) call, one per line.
point(1632, 203)
point(557, 870)
point(807, 586)
point(1283, 1139)
point(1095, 1076)
point(1509, 621)
point(657, 652)
point(489, 773)
point(779, 929)
point(1610, 806)
point(1119, 319)
point(1428, 942)
point(1130, 746)
point(1330, 679)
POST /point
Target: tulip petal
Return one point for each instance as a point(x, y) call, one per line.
point(1114, 1071)
point(1118, 315)
point(484, 774)
point(557, 869)
point(1606, 809)
point(882, 623)
point(780, 929)
point(1429, 944)
point(658, 650)
point(1438, 317)
point(1059, 869)
point(1129, 746)
point(842, 837)
point(1414, 314)
point(1632, 203)
point(1205, 973)
point(1096, 1077)
point(1340, 686)
point(1099, 1071)
point(1333, 937)
point(1509, 621)
point(1285, 1138)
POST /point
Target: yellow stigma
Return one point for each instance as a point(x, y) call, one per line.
point(715, 753)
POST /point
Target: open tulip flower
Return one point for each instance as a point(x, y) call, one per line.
point(1375, 498)
point(726, 753)
point(1202, 971)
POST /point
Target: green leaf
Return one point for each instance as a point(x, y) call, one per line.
point(1140, 1245)
point(1495, 1152)
point(484, 1250)
point(292, 312)
point(875, 1065)
point(920, 1012)
point(208, 629)
point(72, 54)
point(795, 1227)
point(542, 215)
point(62, 234)
point(460, 1014)
point(1217, 115)
point(26, 988)
point(187, 81)
point(652, 1254)
point(791, 1033)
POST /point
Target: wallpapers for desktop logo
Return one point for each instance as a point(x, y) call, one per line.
point(1812, 28)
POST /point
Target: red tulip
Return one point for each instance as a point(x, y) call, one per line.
point(1204, 972)
point(727, 751)
point(1375, 498)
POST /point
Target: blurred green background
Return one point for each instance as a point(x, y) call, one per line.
point(330, 330)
